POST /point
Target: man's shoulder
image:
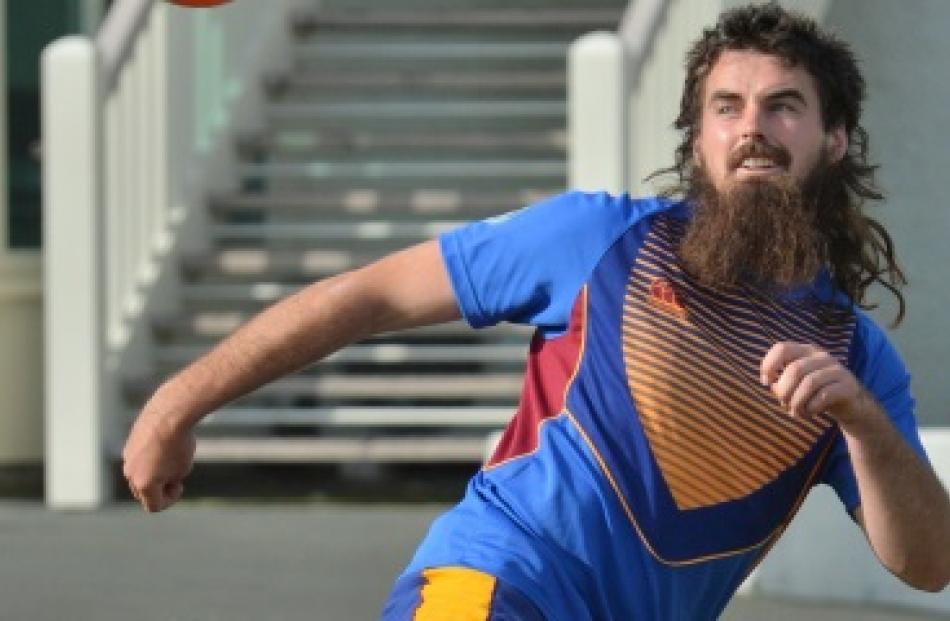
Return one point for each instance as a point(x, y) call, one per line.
point(873, 353)
point(587, 222)
point(624, 202)
point(868, 332)
point(579, 207)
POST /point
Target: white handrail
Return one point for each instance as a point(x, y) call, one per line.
point(638, 29)
point(117, 36)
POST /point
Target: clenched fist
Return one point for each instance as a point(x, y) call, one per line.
point(156, 461)
point(809, 381)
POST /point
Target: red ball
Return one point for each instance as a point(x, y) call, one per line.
point(198, 3)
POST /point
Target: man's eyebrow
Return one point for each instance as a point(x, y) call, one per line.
point(784, 93)
point(721, 95)
point(787, 93)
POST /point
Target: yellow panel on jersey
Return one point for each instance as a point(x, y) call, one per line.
point(455, 594)
point(692, 362)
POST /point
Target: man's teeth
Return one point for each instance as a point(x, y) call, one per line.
point(757, 162)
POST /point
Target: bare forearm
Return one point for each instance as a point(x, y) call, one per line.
point(406, 289)
point(904, 509)
point(305, 327)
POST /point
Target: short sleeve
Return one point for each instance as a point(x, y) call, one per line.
point(878, 366)
point(527, 266)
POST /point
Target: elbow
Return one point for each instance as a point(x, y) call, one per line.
point(934, 585)
point(930, 585)
point(932, 579)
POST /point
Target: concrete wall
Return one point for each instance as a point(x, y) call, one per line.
point(904, 48)
point(825, 556)
point(21, 360)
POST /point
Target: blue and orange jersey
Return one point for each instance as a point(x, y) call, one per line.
point(646, 470)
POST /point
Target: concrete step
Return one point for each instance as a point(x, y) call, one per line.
point(377, 449)
point(370, 230)
point(442, 38)
point(538, 172)
point(443, 417)
point(527, 57)
point(431, 52)
point(240, 296)
point(419, 81)
point(572, 19)
point(429, 116)
point(364, 201)
point(419, 6)
point(252, 264)
point(359, 387)
point(401, 110)
point(421, 387)
point(305, 144)
point(176, 356)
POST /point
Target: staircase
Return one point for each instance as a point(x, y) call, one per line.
point(392, 125)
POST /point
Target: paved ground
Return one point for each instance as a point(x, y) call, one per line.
point(235, 561)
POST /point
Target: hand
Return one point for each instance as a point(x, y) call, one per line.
point(809, 381)
point(156, 462)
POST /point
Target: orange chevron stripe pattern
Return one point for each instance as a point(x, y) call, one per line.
point(692, 362)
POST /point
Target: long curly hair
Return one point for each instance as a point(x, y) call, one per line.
point(859, 250)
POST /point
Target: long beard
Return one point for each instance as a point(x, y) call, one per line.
point(762, 232)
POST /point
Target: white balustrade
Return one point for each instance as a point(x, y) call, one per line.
point(132, 143)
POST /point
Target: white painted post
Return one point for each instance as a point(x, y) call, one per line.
point(596, 113)
point(72, 229)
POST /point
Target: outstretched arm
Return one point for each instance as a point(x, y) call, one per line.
point(406, 289)
point(905, 511)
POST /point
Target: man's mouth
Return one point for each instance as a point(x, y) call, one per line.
point(759, 165)
point(757, 158)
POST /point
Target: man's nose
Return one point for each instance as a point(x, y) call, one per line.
point(752, 123)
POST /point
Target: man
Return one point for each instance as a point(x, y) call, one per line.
point(698, 366)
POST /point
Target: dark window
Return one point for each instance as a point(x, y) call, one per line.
point(30, 26)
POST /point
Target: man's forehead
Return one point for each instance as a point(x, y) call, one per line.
point(750, 72)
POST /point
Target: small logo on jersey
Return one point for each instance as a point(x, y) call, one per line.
point(663, 296)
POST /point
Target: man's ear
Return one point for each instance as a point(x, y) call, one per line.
point(836, 141)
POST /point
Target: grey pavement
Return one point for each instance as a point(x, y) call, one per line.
point(211, 561)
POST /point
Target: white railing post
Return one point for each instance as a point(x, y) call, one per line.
point(76, 475)
point(597, 113)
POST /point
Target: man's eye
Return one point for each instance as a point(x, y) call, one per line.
point(725, 108)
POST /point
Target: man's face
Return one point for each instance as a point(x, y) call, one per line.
point(761, 118)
